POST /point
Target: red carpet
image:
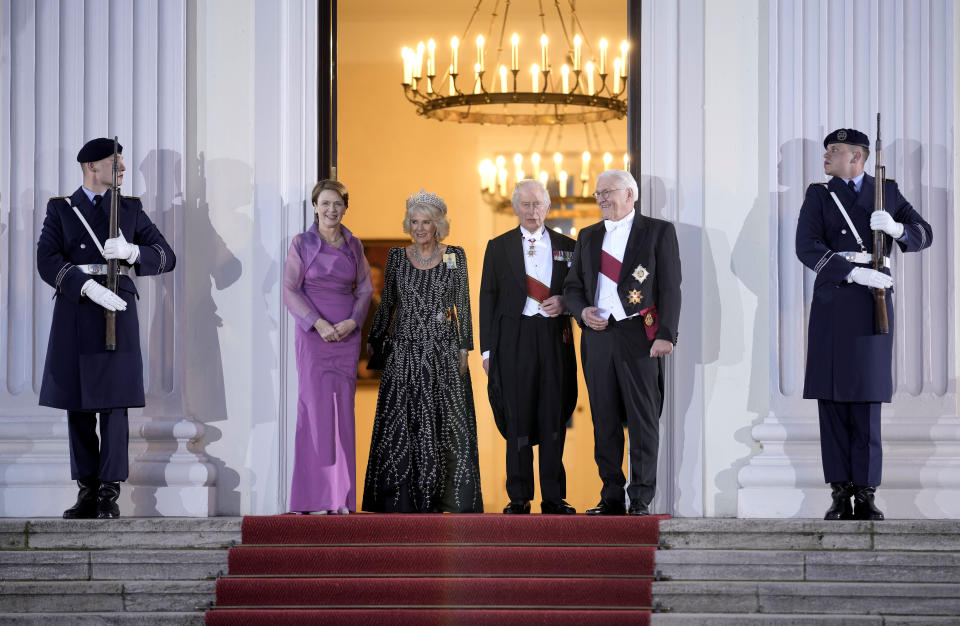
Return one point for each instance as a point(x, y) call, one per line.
point(439, 569)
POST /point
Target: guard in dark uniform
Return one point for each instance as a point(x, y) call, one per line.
point(624, 289)
point(80, 375)
point(848, 367)
point(527, 344)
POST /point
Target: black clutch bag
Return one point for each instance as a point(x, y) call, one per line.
point(381, 350)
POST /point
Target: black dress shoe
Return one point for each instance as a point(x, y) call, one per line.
point(557, 507)
point(517, 507)
point(863, 505)
point(107, 501)
point(840, 507)
point(86, 506)
point(607, 508)
point(639, 508)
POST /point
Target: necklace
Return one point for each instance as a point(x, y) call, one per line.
point(422, 261)
point(333, 241)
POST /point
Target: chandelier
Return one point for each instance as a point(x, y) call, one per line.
point(498, 93)
point(570, 195)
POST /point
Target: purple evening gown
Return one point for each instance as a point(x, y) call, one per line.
point(320, 280)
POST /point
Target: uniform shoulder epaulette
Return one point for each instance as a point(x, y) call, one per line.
point(130, 197)
point(824, 184)
point(60, 197)
point(890, 180)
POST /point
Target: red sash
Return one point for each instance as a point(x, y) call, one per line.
point(610, 266)
point(537, 290)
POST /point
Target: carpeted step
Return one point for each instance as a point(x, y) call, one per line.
point(401, 616)
point(541, 593)
point(465, 529)
point(441, 560)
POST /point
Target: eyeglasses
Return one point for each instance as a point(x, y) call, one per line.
point(603, 195)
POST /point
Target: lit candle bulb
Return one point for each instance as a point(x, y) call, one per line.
point(544, 177)
point(585, 193)
point(431, 58)
point(517, 167)
point(501, 161)
point(535, 159)
point(418, 67)
point(454, 46)
point(534, 78)
point(502, 179)
point(476, 78)
point(450, 80)
point(616, 75)
point(590, 89)
point(626, 161)
point(565, 78)
point(543, 52)
point(517, 160)
point(607, 160)
point(407, 69)
point(562, 180)
point(603, 56)
point(585, 169)
point(515, 52)
point(624, 46)
point(484, 170)
point(577, 42)
point(573, 231)
point(557, 162)
point(503, 79)
point(480, 51)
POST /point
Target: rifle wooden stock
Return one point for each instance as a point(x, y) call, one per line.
point(113, 265)
point(881, 324)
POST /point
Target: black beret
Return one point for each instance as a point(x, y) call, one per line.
point(847, 135)
point(97, 149)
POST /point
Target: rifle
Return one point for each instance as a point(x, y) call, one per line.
point(881, 325)
point(113, 265)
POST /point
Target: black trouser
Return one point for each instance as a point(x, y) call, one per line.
point(530, 362)
point(91, 457)
point(850, 443)
point(624, 386)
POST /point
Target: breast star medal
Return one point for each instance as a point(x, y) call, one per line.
point(640, 273)
point(634, 297)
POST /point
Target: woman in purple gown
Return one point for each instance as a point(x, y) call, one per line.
point(327, 289)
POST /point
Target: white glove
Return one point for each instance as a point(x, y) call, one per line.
point(881, 220)
point(118, 248)
point(102, 296)
point(870, 278)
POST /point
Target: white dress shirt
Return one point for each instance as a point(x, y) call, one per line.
point(539, 265)
point(614, 244)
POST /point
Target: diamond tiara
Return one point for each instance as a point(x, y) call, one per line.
point(425, 197)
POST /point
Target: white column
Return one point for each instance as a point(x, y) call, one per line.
point(835, 65)
point(73, 71)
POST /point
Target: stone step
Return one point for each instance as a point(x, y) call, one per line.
point(933, 599)
point(133, 533)
point(809, 565)
point(106, 596)
point(170, 618)
point(112, 564)
point(805, 534)
point(764, 619)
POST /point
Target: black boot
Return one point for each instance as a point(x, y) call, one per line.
point(86, 506)
point(864, 508)
point(840, 508)
point(107, 506)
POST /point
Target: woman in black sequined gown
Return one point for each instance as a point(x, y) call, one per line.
point(423, 455)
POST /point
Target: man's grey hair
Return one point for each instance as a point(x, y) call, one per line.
point(623, 178)
point(530, 182)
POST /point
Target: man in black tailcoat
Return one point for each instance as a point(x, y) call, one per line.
point(80, 375)
point(848, 363)
point(525, 337)
point(624, 289)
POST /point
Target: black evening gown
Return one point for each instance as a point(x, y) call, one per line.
point(423, 454)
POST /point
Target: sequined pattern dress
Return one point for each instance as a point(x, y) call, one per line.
point(423, 455)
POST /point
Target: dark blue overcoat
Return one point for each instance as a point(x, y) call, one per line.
point(846, 360)
point(79, 373)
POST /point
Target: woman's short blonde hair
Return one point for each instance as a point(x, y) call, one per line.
point(333, 185)
point(438, 216)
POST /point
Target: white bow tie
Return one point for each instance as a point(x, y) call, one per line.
point(611, 225)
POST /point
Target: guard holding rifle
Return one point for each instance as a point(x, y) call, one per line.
point(849, 355)
point(83, 374)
